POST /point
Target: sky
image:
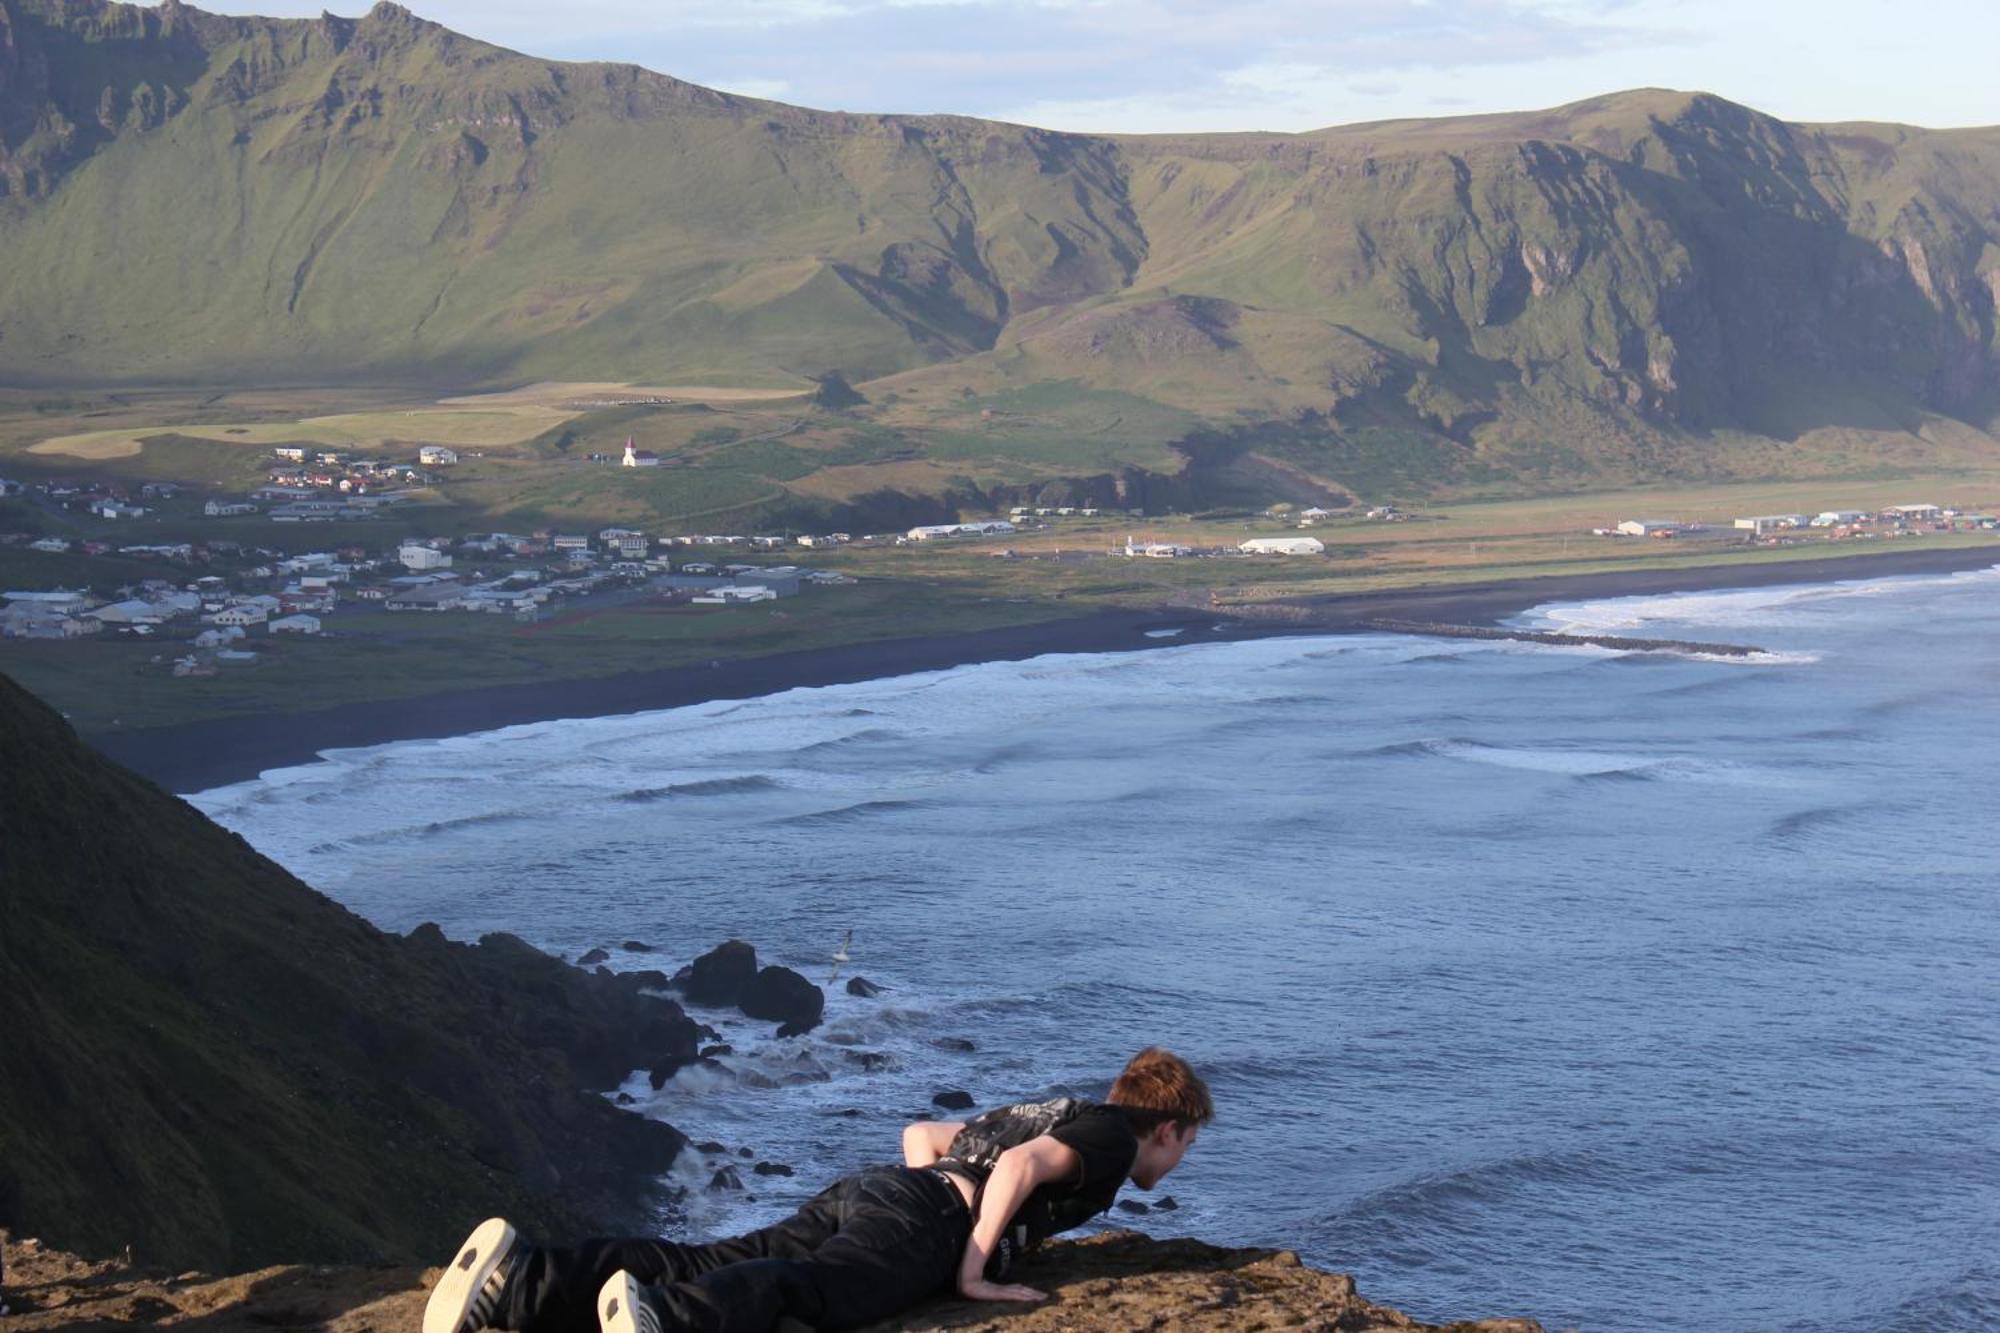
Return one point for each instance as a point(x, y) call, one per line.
point(1139, 66)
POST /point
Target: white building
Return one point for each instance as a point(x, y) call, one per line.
point(1914, 513)
point(639, 457)
point(1763, 523)
point(422, 557)
point(735, 593)
point(238, 615)
point(227, 508)
point(290, 453)
point(1156, 550)
point(625, 542)
point(1283, 546)
point(1649, 527)
point(933, 531)
point(60, 600)
point(1838, 518)
point(299, 624)
point(436, 455)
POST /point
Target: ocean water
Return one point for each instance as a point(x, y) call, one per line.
point(1623, 991)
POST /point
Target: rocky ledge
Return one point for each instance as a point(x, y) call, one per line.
point(1111, 1283)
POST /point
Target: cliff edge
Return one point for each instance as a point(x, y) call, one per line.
point(1112, 1283)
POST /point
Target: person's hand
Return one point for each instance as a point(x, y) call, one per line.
point(979, 1289)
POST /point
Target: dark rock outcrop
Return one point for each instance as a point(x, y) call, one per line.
point(718, 977)
point(593, 958)
point(957, 1099)
point(863, 987)
point(783, 996)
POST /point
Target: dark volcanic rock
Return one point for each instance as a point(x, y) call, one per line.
point(1134, 1207)
point(863, 987)
point(1166, 1203)
point(636, 946)
point(719, 976)
point(783, 996)
point(725, 1180)
point(710, 1052)
point(710, 1147)
point(745, 1152)
point(870, 1060)
point(772, 1169)
point(958, 1044)
point(957, 1099)
point(594, 957)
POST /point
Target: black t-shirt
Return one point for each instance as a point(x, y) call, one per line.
point(1100, 1135)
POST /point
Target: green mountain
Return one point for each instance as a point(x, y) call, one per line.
point(1604, 289)
point(203, 1059)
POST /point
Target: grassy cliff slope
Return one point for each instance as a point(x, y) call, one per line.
point(204, 1059)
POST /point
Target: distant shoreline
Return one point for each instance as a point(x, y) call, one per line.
point(195, 756)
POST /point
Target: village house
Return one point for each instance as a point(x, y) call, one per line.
point(1650, 527)
point(436, 455)
point(422, 557)
point(425, 597)
point(625, 542)
point(240, 616)
point(228, 508)
point(299, 624)
point(289, 453)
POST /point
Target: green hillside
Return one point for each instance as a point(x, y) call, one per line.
point(1650, 284)
point(209, 1062)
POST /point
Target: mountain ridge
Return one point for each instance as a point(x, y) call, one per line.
point(1574, 291)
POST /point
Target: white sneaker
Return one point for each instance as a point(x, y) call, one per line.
point(621, 1309)
point(467, 1296)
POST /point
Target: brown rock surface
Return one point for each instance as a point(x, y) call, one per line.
point(1114, 1283)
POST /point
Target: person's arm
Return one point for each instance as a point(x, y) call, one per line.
point(1018, 1173)
point(926, 1140)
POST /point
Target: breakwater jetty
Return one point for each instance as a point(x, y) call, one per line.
point(1445, 631)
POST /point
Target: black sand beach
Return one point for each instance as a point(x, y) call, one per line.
point(199, 755)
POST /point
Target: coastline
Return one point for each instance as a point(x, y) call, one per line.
point(195, 756)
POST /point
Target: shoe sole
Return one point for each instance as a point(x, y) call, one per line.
point(467, 1296)
point(621, 1309)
